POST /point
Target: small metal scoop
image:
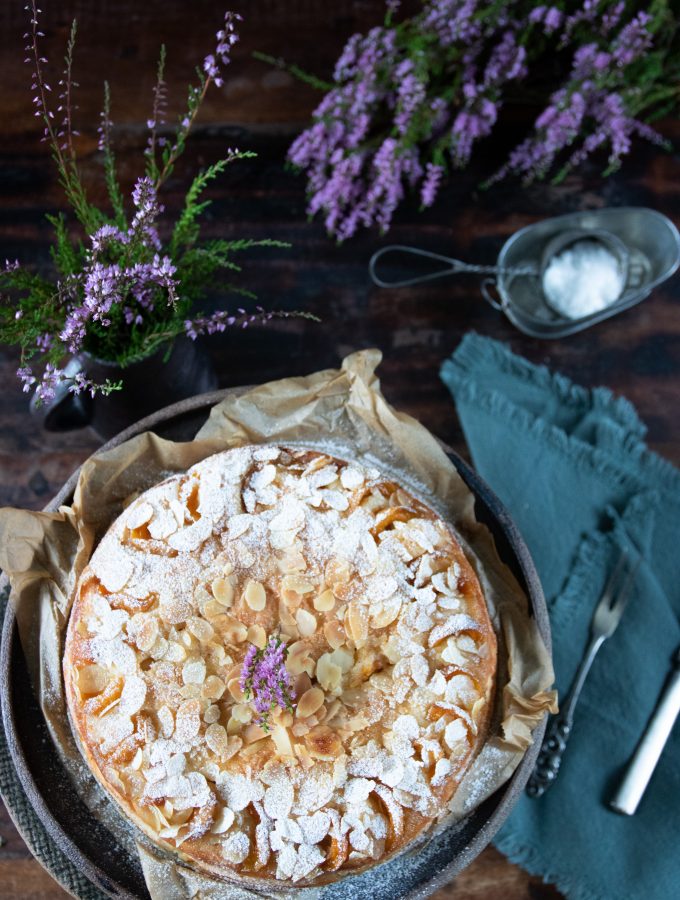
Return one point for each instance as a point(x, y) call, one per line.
point(644, 243)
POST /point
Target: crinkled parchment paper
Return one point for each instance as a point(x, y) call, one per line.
point(342, 412)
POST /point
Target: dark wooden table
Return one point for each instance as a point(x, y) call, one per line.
point(636, 354)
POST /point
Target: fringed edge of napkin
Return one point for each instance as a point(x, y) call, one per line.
point(461, 368)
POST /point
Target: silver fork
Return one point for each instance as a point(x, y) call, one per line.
point(605, 620)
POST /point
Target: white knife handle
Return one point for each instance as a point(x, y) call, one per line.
point(646, 756)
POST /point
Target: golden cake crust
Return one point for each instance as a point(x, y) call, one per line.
point(389, 646)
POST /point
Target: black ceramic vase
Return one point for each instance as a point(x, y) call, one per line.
point(148, 385)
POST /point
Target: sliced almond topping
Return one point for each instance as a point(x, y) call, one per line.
point(337, 572)
point(356, 623)
point(306, 622)
point(282, 540)
point(334, 633)
point(325, 601)
point(234, 727)
point(255, 596)
point(213, 688)
point(235, 744)
point(234, 688)
point(223, 821)
point(187, 639)
point(174, 652)
point(242, 712)
point(386, 612)
point(258, 636)
point(193, 671)
point(293, 561)
point(333, 709)
point(309, 702)
point(92, 680)
point(288, 623)
point(453, 625)
point(284, 718)
point(233, 631)
point(216, 738)
point(210, 609)
point(343, 657)
point(300, 729)
point(328, 673)
point(223, 591)
point(201, 629)
point(302, 754)
point(212, 714)
point(253, 733)
point(139, 515)
point(298, 657)
point(297, 583)
point(103, 702)
point(146, 633)
point(188, 720)
point(282, 741)
point(394, 812)
point(323, 743)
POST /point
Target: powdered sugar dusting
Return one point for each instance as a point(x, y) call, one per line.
point(357, 576)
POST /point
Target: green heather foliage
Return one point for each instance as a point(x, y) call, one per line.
point(120, 293)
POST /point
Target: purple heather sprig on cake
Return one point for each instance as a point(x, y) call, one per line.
point(131, 285)
point(265, 681)
point(411, 99)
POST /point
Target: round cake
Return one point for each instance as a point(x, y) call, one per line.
point(280, 664)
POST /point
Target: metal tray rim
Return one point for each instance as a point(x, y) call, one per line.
point(511, 791)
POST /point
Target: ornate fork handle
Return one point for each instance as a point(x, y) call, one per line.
point(550, 758)
point(559, 729)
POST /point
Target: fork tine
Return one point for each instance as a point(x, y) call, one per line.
point(609, 589)
point(623, 596)
point(618, 596)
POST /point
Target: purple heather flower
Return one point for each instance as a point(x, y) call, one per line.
point(612, 17)
point(587, 13)
point(44, 342)
point(145, 198)
point(430, 185)
point(104, 235)
point(226, 38)
point(550, 17)
point(104, 131)
point(633, 40)
point(453, 21)
point(506, 62)
point(223, 319)
point(470, 125)
point(411, 93)
point(265, 680)
point(27, 378)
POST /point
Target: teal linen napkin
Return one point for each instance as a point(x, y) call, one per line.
point(572, 467)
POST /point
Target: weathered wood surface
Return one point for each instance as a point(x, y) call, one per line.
point(636, 354)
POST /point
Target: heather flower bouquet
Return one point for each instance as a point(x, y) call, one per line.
point(411, 99)
point(121, 292)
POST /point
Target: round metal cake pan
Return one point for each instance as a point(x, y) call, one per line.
point(93, 849)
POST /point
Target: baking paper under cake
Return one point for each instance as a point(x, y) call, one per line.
point(389, 648)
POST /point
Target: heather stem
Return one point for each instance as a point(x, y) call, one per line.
point(178, 146)
point(68, 120)
point(42, 86)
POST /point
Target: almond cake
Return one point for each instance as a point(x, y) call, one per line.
point(390, 660)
